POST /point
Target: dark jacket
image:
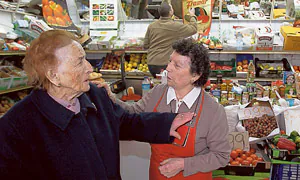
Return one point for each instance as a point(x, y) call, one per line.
point(41, 139)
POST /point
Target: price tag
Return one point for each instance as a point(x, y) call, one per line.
point(118, 52)
point(256, 111)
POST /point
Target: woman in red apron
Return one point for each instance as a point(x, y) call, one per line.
point(161, 152)
point(203, 146)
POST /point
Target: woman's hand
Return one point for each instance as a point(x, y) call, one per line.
point(179, 120)
point(106, 86)
point(171, 167)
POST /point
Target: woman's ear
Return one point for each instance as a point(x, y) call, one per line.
point(196, 76)
point(53, 77)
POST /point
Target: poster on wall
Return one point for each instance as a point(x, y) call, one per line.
point(56, 15)
point(203, 12)
point(103, 14)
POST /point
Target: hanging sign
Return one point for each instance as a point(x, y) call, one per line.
point(203, 12)
point(103, 14)
point(56, 15)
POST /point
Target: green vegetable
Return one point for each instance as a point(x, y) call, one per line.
point(294, 134)
point(297, 139)
point(277, 136)
point(291, 139)
point(275, 140)
point(298, 151)
point(298, 145)
point(294, 152)
point(284, 136)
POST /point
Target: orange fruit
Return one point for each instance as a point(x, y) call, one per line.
point(239, 151)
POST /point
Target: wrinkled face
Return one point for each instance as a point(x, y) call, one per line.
point(179, 75)
point(73, 69)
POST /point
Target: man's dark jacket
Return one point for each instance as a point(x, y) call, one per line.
point(41, 139)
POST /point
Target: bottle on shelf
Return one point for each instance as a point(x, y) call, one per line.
point(146, 85)
point(250, 72)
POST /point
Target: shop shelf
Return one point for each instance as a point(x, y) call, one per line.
point(12, 53)
point(15, 89)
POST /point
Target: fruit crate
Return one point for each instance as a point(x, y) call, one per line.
point(279, 154)
point(285, 172)
point(226, 68)
point(242, 62)
point(271, 68)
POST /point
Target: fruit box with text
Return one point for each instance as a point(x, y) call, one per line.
point(259, 120)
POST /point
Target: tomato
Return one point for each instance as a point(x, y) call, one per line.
point(235, 163)
point(253, 151)
point(248, 153)
point(239, 159)
point(260, 159)
point(254, 162)
point(234, 154)
point(243, 156)
point(249, 159)
point(230, 160)
point(253, 156)
point(245, 162)
point(282, 132)
point(239, 151)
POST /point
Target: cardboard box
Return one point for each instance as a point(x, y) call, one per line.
point(264, 38)
point(253, 116)
point(291, 37)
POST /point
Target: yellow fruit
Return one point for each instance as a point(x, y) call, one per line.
point(134, 64)
point(129, 65)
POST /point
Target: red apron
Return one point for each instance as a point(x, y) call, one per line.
point(161, 152)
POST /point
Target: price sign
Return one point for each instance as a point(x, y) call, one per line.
point(256, 111)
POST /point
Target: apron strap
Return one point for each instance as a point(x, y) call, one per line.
point(158, 102)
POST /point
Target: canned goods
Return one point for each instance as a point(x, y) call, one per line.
point(245, 98)
point(238, 97)
point(231, 95)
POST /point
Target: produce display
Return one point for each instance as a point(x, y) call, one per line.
point(112, 62)
point(214, 66)
point(285, 142)
point(136, 62)
point(242, 66)
point(260, 126)
point(238, 157)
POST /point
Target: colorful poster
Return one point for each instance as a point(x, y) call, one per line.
point(103, 14)
point(203, 11)
point(56, 15)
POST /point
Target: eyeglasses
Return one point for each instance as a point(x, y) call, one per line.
point(184, 132)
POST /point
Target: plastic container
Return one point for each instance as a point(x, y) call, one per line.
point(145, 85)
point(250, 72)
point(285, 171)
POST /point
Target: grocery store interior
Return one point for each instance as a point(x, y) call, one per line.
point(254, 52)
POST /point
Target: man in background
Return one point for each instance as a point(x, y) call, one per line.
point(162, 33)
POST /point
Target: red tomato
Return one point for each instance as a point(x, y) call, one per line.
point(253, 151)
point(254, 162)
point(249, 159)
point(240, 160)
point(235, 163)
point(234, 154)
point(230, 160)
point(248, 153)
point(254, 156)
point(260, 159)
point(239, 151)
point(245, 162)
point(243, 156)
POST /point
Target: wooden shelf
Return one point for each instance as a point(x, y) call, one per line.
point(15, 89)
point(14, 53)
